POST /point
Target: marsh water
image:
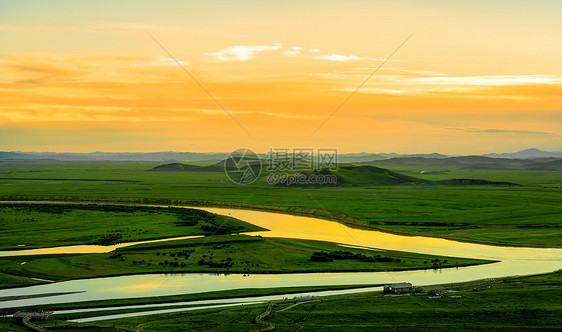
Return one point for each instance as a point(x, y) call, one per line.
point(511, 261)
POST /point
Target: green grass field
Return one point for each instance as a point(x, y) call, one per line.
point(524, 303)
point(528, 215)
point(221, 254)
point(504, 215)
point(9, 281)
point(232, 293)
point(47, 225)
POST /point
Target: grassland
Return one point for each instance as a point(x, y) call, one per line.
point(528, 215)
point(10, 281)
point(226, 294)
point(47, 225)
point(222, 254)
point(523, 303)
point(501, 215)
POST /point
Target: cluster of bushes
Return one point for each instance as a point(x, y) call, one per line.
point(209, 222)
point(109, 239)
point(184, 253)
point(188, 217)
point(436, 262)
point(219, 225)
point(322, 256)
point(173, 259)
point(218, 230)
point(225, 263)
point(142, 262)
point(172, 263)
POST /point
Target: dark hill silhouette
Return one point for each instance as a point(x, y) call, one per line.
point(474, 162)
point(526, 154)
point(178, 167)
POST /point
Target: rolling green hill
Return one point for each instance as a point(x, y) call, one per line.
point(371, 175)
point(179, 167)
point(349, 175)
point(346, 175)
point(476, 182)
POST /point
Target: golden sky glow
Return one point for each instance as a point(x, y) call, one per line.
point(475, 78)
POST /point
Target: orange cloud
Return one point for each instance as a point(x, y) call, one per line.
point(154, 96)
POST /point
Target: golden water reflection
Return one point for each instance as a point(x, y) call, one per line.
point(289, 226)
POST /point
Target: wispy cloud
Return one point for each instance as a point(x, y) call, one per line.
point(293, 51)
point(242, 53)
point(338, 57)
point(278, 115)
point(249, 52)
point(506, 87)
point(490, 80)
point(46, 68)
point(379, 91)
point(500, 131)
point(411, 71)
point(221, 112)
point(509, 131)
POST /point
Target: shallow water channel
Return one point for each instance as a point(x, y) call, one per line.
point(512, 261)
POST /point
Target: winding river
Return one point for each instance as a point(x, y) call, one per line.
point(512, 261)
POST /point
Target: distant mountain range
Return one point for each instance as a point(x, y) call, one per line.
point(113, 156)
point(474, 162)
point(364, 156)
point(526, 154)
point(526, 159)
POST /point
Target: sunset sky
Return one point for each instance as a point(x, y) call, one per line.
point(475, 77)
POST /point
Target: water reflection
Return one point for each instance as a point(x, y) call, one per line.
point(160, 284)
point(85, 248)
point(289, 226)
point(514, 261)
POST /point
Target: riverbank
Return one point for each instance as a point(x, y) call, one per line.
point(531, 302)
point(215, 295)
point(13, 281)
point(226, 254)
point(105, 224)
point(290, 210)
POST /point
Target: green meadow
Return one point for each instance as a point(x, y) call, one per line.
point(528, 215)
point(489, 214)
point(521, 303)
point(213, 295)
point(10, 280)
point(48, 225)
point(242, 254)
